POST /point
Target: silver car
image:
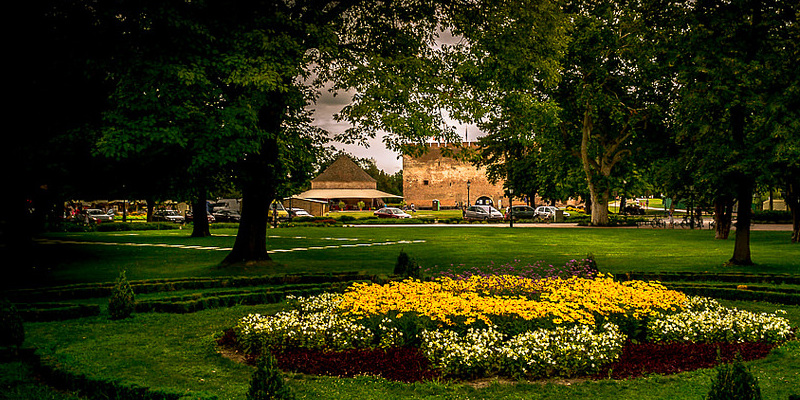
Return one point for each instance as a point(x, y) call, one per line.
point(548, 212)
point(98, 215)
point(482, 213)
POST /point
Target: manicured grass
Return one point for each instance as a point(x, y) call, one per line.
point(177, 351)
point(616, 250)
point(166, 351)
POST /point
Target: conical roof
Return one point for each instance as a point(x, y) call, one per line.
point(344, 173)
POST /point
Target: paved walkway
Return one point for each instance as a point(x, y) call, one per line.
point(215, 248)
point(756, 227)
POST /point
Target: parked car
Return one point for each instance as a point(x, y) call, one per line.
point(277, 209)
point(634, 209)
point(190, 217)
point(225, 215)
point(482, 212)
point(169, 216)
point(391, 212)
point(548, 212)
point(299, 212)
point(97, 215)
point(521, 212)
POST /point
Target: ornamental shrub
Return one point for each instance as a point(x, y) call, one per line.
point(406, 266)
point(267, 382)
point(12, 331)
point(121, 303)
point(734, 382)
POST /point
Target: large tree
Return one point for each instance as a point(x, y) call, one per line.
point(733, 55)
point(611, 94)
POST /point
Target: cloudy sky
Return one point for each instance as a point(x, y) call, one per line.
point(386, 160)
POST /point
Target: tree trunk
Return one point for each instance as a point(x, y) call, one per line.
point(599, 200)
point(792, 198)
point(151, 206)
point(200, 226)
point(251, 239)
point(723, 208)
point(259, 184)
point(741, 250)
point(587, 206)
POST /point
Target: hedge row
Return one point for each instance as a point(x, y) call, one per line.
point(772, 216)
point(738, 294)
point(96, 290)
point(40, 312)
point(715, 277)
point(732, 286)
point(107, 388)
point(185, 306)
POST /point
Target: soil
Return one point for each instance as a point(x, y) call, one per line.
point(408, 364)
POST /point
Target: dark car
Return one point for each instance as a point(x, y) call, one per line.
point(190, 217)
point(227, 216)
point(521, 212)
point(391, 212)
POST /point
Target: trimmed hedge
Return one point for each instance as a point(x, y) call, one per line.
point(41, 312)
point(107, 388)
point(718, 277)
point(95, 290)
point(737, 294)
point(730, 288)
point(201, 301)
point(767, 216)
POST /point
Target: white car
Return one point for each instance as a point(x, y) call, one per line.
point(299, 212)
point(548, 212)
point(483, 213)
point(169, 216)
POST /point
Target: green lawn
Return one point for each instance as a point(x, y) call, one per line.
point(176, 352)
point(616, 250)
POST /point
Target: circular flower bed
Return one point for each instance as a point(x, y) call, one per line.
point(508, 325)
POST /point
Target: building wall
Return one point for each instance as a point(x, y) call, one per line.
point(435, 177)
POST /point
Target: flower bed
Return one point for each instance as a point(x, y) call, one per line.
point(483, 325)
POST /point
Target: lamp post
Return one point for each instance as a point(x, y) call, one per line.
point(468, 183)
point(511, 207)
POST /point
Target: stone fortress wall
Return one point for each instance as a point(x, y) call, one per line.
point(433, 176)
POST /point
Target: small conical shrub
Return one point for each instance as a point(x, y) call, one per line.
point(267, 382)
point(121, 304)
point(734, 382)
point(406, 266)
point(12, 331)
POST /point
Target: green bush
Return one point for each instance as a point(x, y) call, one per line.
point(772, 216)
point(406, 266)
point(12, 331)
point(267, 382)
point(734, 382)
point(121, 304)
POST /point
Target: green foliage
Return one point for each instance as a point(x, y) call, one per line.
point(734, 382)
point(121, 304)
point(772, 216)
point(12, 331)
point(406, 266)
point(267, 382)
